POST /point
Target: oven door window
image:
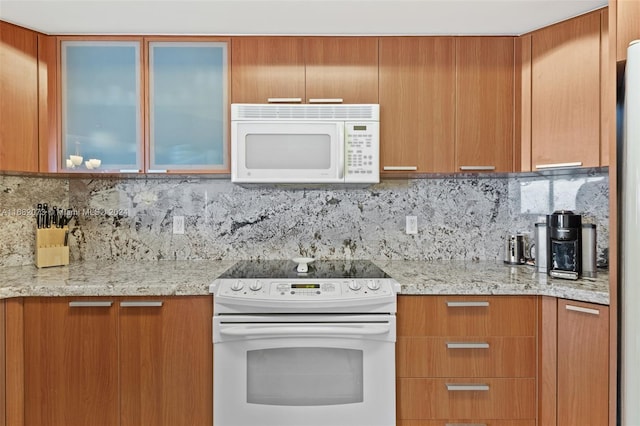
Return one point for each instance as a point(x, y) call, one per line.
point(304, 376)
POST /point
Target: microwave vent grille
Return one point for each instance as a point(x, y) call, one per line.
point(305, 112)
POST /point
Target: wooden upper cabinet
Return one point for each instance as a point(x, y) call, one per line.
point(267, 67)
point(583, 363)
point(417, 104)
point(628, 23)
point(18, 98)
point(484, 104)
point(565, 94)
point(342, 68)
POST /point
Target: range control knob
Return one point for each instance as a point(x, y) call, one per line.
point(237, 286)
point(373, 285)
point(255, 286)
point(355, 285)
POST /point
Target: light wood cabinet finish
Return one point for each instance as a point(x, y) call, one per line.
point(466, 422)
point(417, 103)
point(71, 363)
point(484, 103)
point(429, 398)
point(443, 357)
point(628, 26)
point(583, 363)
point(166, 375)
point(267, 67)
point(431, 316)
point(116, 365)
point(342, 68)
point(47, 103)
point(2, 366)
point(565, 117)
point(306, 68)
point(18, 98)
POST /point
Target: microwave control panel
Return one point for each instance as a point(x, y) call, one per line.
point(362, 152)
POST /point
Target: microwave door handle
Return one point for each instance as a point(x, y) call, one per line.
point(341, 149)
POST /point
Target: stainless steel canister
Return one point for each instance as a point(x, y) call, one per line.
point(540, 241)
point(589, 255)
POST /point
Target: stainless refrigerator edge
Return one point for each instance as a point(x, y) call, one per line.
point(629, 374)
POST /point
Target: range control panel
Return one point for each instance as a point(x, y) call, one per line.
point(293, 289)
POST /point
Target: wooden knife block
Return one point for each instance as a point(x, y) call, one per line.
point(50, 248)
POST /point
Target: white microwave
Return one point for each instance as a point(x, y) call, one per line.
point(305, 143)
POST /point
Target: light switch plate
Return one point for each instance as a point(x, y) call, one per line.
point(178, 224)
point(412, 224)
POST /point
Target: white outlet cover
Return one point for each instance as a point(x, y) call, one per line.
point(411, 224)
point(178, 224)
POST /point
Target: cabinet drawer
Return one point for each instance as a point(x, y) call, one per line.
point(466, 316)
point(466, 422)
point(466, 357)
point(455, 399)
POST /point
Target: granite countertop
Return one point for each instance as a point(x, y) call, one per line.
point(162, 278)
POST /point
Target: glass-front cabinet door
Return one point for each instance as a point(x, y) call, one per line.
point(188, 105)
point(101, 106)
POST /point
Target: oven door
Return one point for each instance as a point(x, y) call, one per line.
point(303, 370)
point(281, 152)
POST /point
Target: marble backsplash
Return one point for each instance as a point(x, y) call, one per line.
point(459, 217)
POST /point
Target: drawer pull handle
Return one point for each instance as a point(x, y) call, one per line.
point(465, 424)
point(558, 165)
point(157, 171)
point(467, 345)
point(583, 310)
point(283, 100)
point(400, 168)
point(141, 304)
point(326, 101)
point(454, 387)
point(481, 168)
point(129, 171)
point(480, 304)
point(90, 304)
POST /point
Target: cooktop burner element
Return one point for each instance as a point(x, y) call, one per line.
point(276, 286)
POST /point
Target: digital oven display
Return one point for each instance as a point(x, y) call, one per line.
point(306, 286)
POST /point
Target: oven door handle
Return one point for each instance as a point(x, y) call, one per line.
point(306, 330)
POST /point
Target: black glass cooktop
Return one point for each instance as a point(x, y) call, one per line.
point(317, 269)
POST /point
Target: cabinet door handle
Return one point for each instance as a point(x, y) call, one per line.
point(326, 101)
point(157, 171)
point(142, 304)
point(471, 168)
point(458, 387)
point(558, 165)
point(479, 304)
point(284, 100)
point(581, 309)
point(400, 168)
point(129, 171)
point(465, 424)
point(467, 345)
point(90, 304)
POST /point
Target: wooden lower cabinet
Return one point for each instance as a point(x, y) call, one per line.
point(466, 360)
point(466, 422)
point(2, 366)
point(583, 364)
point(118, 361)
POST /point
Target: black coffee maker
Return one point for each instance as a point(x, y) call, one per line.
point(564, 244)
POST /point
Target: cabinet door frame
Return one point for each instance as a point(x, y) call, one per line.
point(226, 166)
point(60, 107)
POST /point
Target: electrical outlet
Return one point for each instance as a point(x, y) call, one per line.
point(178, 224)
point(411, 225)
